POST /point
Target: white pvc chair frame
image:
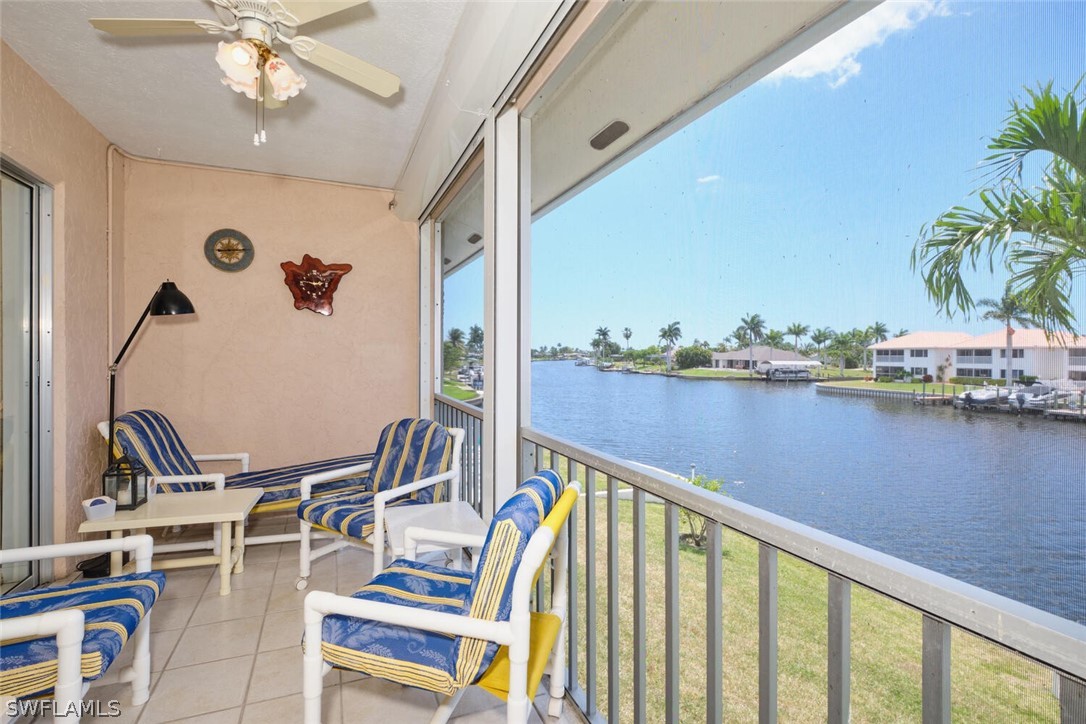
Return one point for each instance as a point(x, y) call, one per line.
point(67, 625)
point(376, 540)
point(514, 633)
point(219, 481)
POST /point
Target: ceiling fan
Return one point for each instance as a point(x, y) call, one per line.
point(251, 64)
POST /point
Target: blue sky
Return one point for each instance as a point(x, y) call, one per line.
point(801, 198)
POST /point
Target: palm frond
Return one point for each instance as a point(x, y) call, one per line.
point(1046, 123)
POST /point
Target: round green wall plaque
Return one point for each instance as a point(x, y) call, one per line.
point(229, 250)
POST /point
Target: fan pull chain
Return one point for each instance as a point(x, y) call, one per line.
point(256, 121)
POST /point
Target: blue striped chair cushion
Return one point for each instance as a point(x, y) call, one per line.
point(405, 655)
point(491, 595)
point(148, 436)
point(112, 607)
point(350, 515)
point(410, 450)
point(281, 485)
point(433, 661)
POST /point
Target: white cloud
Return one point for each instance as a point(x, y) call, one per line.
point(709, 179)
point(835, 58)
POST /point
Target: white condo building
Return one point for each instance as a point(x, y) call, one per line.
point(956, 354)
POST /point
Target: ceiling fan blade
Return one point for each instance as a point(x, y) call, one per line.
point(129, 27)
point(309, 10)
point(353, 69)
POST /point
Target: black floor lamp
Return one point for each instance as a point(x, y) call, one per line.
point(123, 480)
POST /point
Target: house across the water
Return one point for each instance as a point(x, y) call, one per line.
point(741, 359)
point(956, 354)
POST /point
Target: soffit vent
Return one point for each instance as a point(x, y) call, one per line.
point(475, 238)
point(610, 134)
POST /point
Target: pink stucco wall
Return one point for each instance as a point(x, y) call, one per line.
point(40, 132)
point(248, 372)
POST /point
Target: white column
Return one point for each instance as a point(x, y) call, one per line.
point(505, 309)
point(429, 291)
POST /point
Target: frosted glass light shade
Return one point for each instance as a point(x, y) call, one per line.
point(285, 83)
point(238, 61)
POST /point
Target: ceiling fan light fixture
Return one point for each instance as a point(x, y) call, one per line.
point(284, 82)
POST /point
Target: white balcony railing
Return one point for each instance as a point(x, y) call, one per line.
point(453, 413)
point(610, 660)
point(641, 619)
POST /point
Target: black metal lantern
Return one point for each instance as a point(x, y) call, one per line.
point(125, 482)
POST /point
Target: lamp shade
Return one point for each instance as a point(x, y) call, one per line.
point(240, 62)
point(170, 300)
point(285, 83)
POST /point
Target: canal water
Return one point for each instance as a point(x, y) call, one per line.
point(996, 500)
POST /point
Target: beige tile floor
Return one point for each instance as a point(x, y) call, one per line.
point(237, 659)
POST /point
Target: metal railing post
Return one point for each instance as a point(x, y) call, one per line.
point(936, 671)
point(767, 634)
point(640, 679)
point(839, 650)
point(671, 611)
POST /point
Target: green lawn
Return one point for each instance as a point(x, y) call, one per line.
point(458, 391)
point(989, 684)
point(709, 372)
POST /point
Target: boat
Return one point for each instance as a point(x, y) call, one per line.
point(984, 397)
point(1045, 400)
point(583, 362)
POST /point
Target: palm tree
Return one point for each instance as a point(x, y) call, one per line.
point(901, 332)
point(1039, 233)
point(456, 337)
point(862, 338)
point(753, 327)
point(774, 338)
point(840, 346)
point(795, 331)
point(626, 334)
point(475, 339)
point(741, 337)
point(820, 337)
point(877, 332)
point(603, 337)
point(670, 335)
point(1008, 309)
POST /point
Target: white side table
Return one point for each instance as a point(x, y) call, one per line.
point(220, 507)
point(457, 516)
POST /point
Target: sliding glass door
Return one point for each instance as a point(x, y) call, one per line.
point(24, 216)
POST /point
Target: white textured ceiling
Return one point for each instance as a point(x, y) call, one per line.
point(161, 97)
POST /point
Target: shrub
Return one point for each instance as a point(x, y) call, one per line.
point(690, 357)
point(928, 378)
point(1027, 380)
point(697, 525)
point(977, 381)
point(885, 379)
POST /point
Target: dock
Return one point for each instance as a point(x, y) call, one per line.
point(1078, 415)
point(933, 399)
